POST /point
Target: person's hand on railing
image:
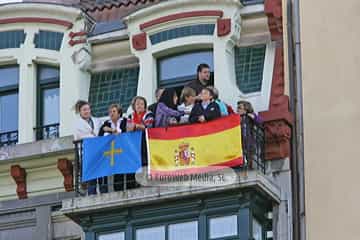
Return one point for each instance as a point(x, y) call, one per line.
point(202, 119)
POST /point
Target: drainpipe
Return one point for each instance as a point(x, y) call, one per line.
point(296, 103)
point(293, 163)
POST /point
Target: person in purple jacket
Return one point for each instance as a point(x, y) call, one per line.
point(166, 113)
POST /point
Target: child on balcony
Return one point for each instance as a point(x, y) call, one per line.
point(166, 113)
point(207, 109)
point(140, 118)
point(188, 97)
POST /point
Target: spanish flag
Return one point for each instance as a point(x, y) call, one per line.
point(195, 148)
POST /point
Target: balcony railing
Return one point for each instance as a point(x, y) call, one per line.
point(253, 144)
point(47, 132)
point(8, 138)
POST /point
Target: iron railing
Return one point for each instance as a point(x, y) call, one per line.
point(253, 144)
point(8, 138)
point(50, 131)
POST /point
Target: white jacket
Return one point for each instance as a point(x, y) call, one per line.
point(82, 129)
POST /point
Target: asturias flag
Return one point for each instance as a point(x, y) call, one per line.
point(113, 154)
point(195, 148)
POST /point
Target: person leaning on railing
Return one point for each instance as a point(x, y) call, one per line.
point(248, 121)
point(115, 125)
point(86, 126)
point(140, 119)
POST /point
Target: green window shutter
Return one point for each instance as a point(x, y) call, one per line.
point(115, 86)
point(249, 67)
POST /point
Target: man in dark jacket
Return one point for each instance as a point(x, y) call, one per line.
point(203, 78)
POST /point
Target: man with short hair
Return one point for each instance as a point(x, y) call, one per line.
point(203, 78)
point(158, 94)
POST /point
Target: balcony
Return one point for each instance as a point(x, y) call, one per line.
point(8, 138)
point(253, 146)
point(50, 131)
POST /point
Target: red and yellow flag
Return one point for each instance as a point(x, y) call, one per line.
point(195, 148)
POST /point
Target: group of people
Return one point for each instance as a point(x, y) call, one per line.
point(199, 103)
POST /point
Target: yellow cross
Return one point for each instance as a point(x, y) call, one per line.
point(111, 153)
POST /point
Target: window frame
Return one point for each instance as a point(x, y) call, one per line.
point(40, 88)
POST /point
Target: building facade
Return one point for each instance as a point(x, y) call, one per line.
point(53, 53)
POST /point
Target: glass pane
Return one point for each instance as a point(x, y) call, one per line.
point(154, 233)
point(51, 106)
point(183, 231)
point(9, 113)
point(223, 226)
point(112, 236)
point(9, 76)
point(184, 65)
point(257, 230)
point(48, 74)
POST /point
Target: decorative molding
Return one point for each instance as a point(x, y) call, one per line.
point(273, 10)
point(36, 20)
point(75, 42)
point(66, 168)
point(139, 41)
point(77, 34)
point(213, 13)
point(19, 175)
point(278, 119)
point(223, 27)
point(81, 38)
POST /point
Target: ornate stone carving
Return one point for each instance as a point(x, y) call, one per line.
point(139, 41)
point(223, 27)
point(66, 168)
point(19, 175)
point(273, 9)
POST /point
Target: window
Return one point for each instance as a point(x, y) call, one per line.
point(223, 227)
point(183, 231)
point(9, 105)
point(112, 236)
point(249, 68)
point(201, 29)
point(116, 86)
point(48, 102)
point(257, 230)
point(12, 39)
point(176, 71)
point(153, 233)
point(48, 40)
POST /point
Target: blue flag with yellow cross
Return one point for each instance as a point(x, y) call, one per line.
point(112, 154)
